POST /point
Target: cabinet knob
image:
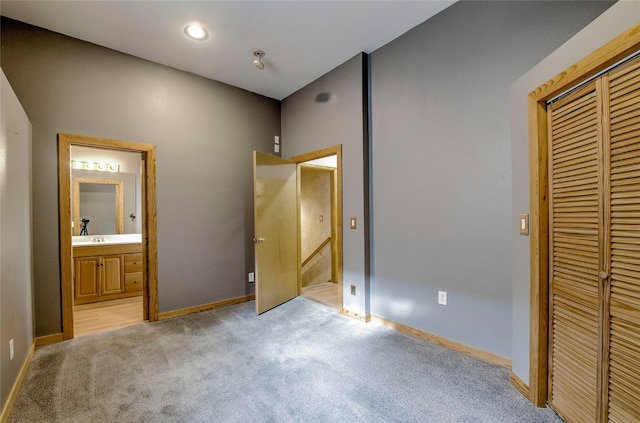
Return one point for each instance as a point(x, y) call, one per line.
point(603, 275)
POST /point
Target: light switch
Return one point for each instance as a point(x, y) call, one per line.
point(276, 148)
point(352, 223)
point(442, 297)
point(524, 224)
point(321, 218)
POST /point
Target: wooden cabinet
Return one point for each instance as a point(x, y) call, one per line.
point(107, 272)
point(133, 272)
point(98, 276)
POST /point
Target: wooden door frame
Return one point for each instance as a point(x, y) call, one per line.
point(149, 227)
point(617, 49)
point(336, 213)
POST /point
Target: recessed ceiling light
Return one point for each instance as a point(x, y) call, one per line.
point(195, 31)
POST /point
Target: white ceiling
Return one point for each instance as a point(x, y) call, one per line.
point(303, 40)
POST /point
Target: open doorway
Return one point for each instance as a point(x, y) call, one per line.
point(316, 202)
point(320, 219)
point(107, 236)
point(278, 260)
point(107, 233)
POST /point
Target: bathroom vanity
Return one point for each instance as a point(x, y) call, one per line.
point(107, 267)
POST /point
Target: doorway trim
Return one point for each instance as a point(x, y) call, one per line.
point(336, 211)
point(149, 227)
point(617, 49)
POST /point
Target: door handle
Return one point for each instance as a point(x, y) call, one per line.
point(258, 240)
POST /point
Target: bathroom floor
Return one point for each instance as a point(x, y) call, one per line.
point(106, 315)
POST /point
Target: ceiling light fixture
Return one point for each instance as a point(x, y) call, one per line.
point(258, 62)
point(103, 167)
point(195, 31)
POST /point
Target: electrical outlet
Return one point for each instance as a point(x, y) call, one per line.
point(11, 349)
point(442, 298)
point(353, 290)
point(252, 277)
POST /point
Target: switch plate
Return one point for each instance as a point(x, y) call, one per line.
point(524, 224)
point(276, 139)
point(11, 349)
point(353, 290)
point(442, 298)
point(252, 277)
point(352, 222)
point(276, 148)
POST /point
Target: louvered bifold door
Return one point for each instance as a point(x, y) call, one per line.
point(624, 307)
point(575, 213)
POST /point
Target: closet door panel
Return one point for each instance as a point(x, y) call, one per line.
point(624, 330)
point(575, 178)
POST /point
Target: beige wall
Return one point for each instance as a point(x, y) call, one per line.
point(315, 201)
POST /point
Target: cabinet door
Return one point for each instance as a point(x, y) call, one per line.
point(112, 274)
point(87, 278)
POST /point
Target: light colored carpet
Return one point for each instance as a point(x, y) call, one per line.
point(301, 362)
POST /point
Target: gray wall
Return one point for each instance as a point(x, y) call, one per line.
point(308, 125)
point(16, 300)
point(621, 16)
point(441, 163)
point(204, 132)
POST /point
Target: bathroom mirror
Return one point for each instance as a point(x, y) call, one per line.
point(98, 206)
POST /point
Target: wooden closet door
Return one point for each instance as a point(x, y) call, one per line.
point(594, 350)
point(575, 236)
point(623, 385)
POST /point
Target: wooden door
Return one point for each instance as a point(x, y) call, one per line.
point(575, 290)
point(594, 364)
point(622, 389)
point(276, 231)
point(87, 279)
point(112, 274)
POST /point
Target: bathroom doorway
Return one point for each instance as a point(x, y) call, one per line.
point(108, 249)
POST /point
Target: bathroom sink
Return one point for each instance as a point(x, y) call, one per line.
point(94, 240)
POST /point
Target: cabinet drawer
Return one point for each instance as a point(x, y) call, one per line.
point(133, 263)
point(133, 282)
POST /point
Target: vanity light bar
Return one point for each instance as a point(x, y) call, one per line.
point(103, 167)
